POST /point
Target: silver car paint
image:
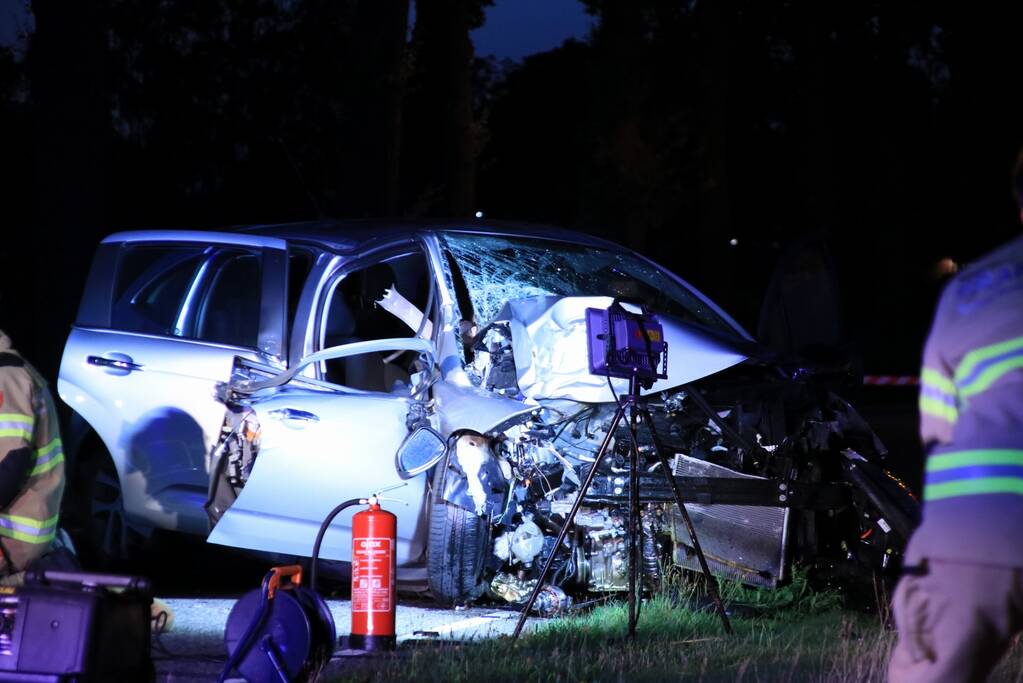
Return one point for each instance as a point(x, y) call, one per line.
point(158, 421)
point(304, 468)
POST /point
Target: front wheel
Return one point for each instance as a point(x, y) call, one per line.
point(457, 547)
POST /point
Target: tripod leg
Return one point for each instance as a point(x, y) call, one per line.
point(619, 414)
point(712, 584)
point(635, 525)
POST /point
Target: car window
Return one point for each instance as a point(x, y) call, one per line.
point(229, 311)
point(151, 286)
point(496, 270)
point(191, 291)
point(377, 301)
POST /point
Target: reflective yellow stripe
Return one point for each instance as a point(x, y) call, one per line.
point(27, 529)
point(935, 408)
point(974, 487)
point(992, 375)
point(45, 467)
point(980, 456)
point(16, 417)
point(56, 443)
point(977, 356)
point(32, 522)
point(16, 425)
point(934, 378)
point(28, 538)
point(48, 457)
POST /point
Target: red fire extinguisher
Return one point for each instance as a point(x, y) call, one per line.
point(374, 533)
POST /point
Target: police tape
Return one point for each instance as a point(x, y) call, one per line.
point(891, 380)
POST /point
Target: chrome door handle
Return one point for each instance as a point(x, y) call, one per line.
point(294, 414)
point(115, 363)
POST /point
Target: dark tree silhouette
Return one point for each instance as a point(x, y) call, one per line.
point(684, 126)
point(71, 136)
point(16, 188)
point(440, 145)
point(675, 128)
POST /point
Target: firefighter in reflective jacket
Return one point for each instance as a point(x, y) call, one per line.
point(31, 466)
point(960, 599)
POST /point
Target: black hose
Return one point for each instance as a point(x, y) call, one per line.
point(323, 530)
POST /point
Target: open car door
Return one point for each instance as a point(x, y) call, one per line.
point(291, 451)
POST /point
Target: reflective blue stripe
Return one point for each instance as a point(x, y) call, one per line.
point(990, 370)
point(27, 529)
point(985, 364)
point(974, 472)
point(938, 395)
point(48, 458)
point(17, 425)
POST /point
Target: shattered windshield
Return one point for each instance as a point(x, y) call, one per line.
point(500, 269)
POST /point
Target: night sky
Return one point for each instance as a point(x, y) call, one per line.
point(513, 28)
point(516, 28)
point(14, 17)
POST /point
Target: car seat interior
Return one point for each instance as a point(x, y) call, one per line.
point(353, 316)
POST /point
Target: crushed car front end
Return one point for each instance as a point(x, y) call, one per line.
point(774, 466)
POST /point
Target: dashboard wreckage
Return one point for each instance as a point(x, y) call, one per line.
point(495, 420)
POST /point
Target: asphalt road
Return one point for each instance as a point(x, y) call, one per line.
point(194, 650)
point(201, 583)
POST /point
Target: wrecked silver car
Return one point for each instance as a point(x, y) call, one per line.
point(456, 360)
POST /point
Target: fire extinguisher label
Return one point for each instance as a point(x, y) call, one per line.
point(371, 574)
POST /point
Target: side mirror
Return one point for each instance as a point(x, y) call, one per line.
point(421, 450)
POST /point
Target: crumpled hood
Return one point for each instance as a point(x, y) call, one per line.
point(549, 344)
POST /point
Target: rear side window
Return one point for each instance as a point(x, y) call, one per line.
point(191, 291)
point(229, 313)
point(151, 288)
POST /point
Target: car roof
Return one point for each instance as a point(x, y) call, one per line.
point(346, 236)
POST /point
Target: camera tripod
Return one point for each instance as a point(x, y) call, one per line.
point(631, 403)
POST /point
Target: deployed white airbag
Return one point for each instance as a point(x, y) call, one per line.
point(549, 343)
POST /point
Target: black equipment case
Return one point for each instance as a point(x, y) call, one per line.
point(65, 627)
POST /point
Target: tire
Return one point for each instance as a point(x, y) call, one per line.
point(456, 549)
point(103, 535)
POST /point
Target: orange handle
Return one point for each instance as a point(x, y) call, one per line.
point(292, 570)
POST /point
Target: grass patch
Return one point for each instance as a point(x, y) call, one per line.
point(798, 636)
point(794, 598)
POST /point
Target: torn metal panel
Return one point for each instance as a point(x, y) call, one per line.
point(461, 407)
point(741, 542)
